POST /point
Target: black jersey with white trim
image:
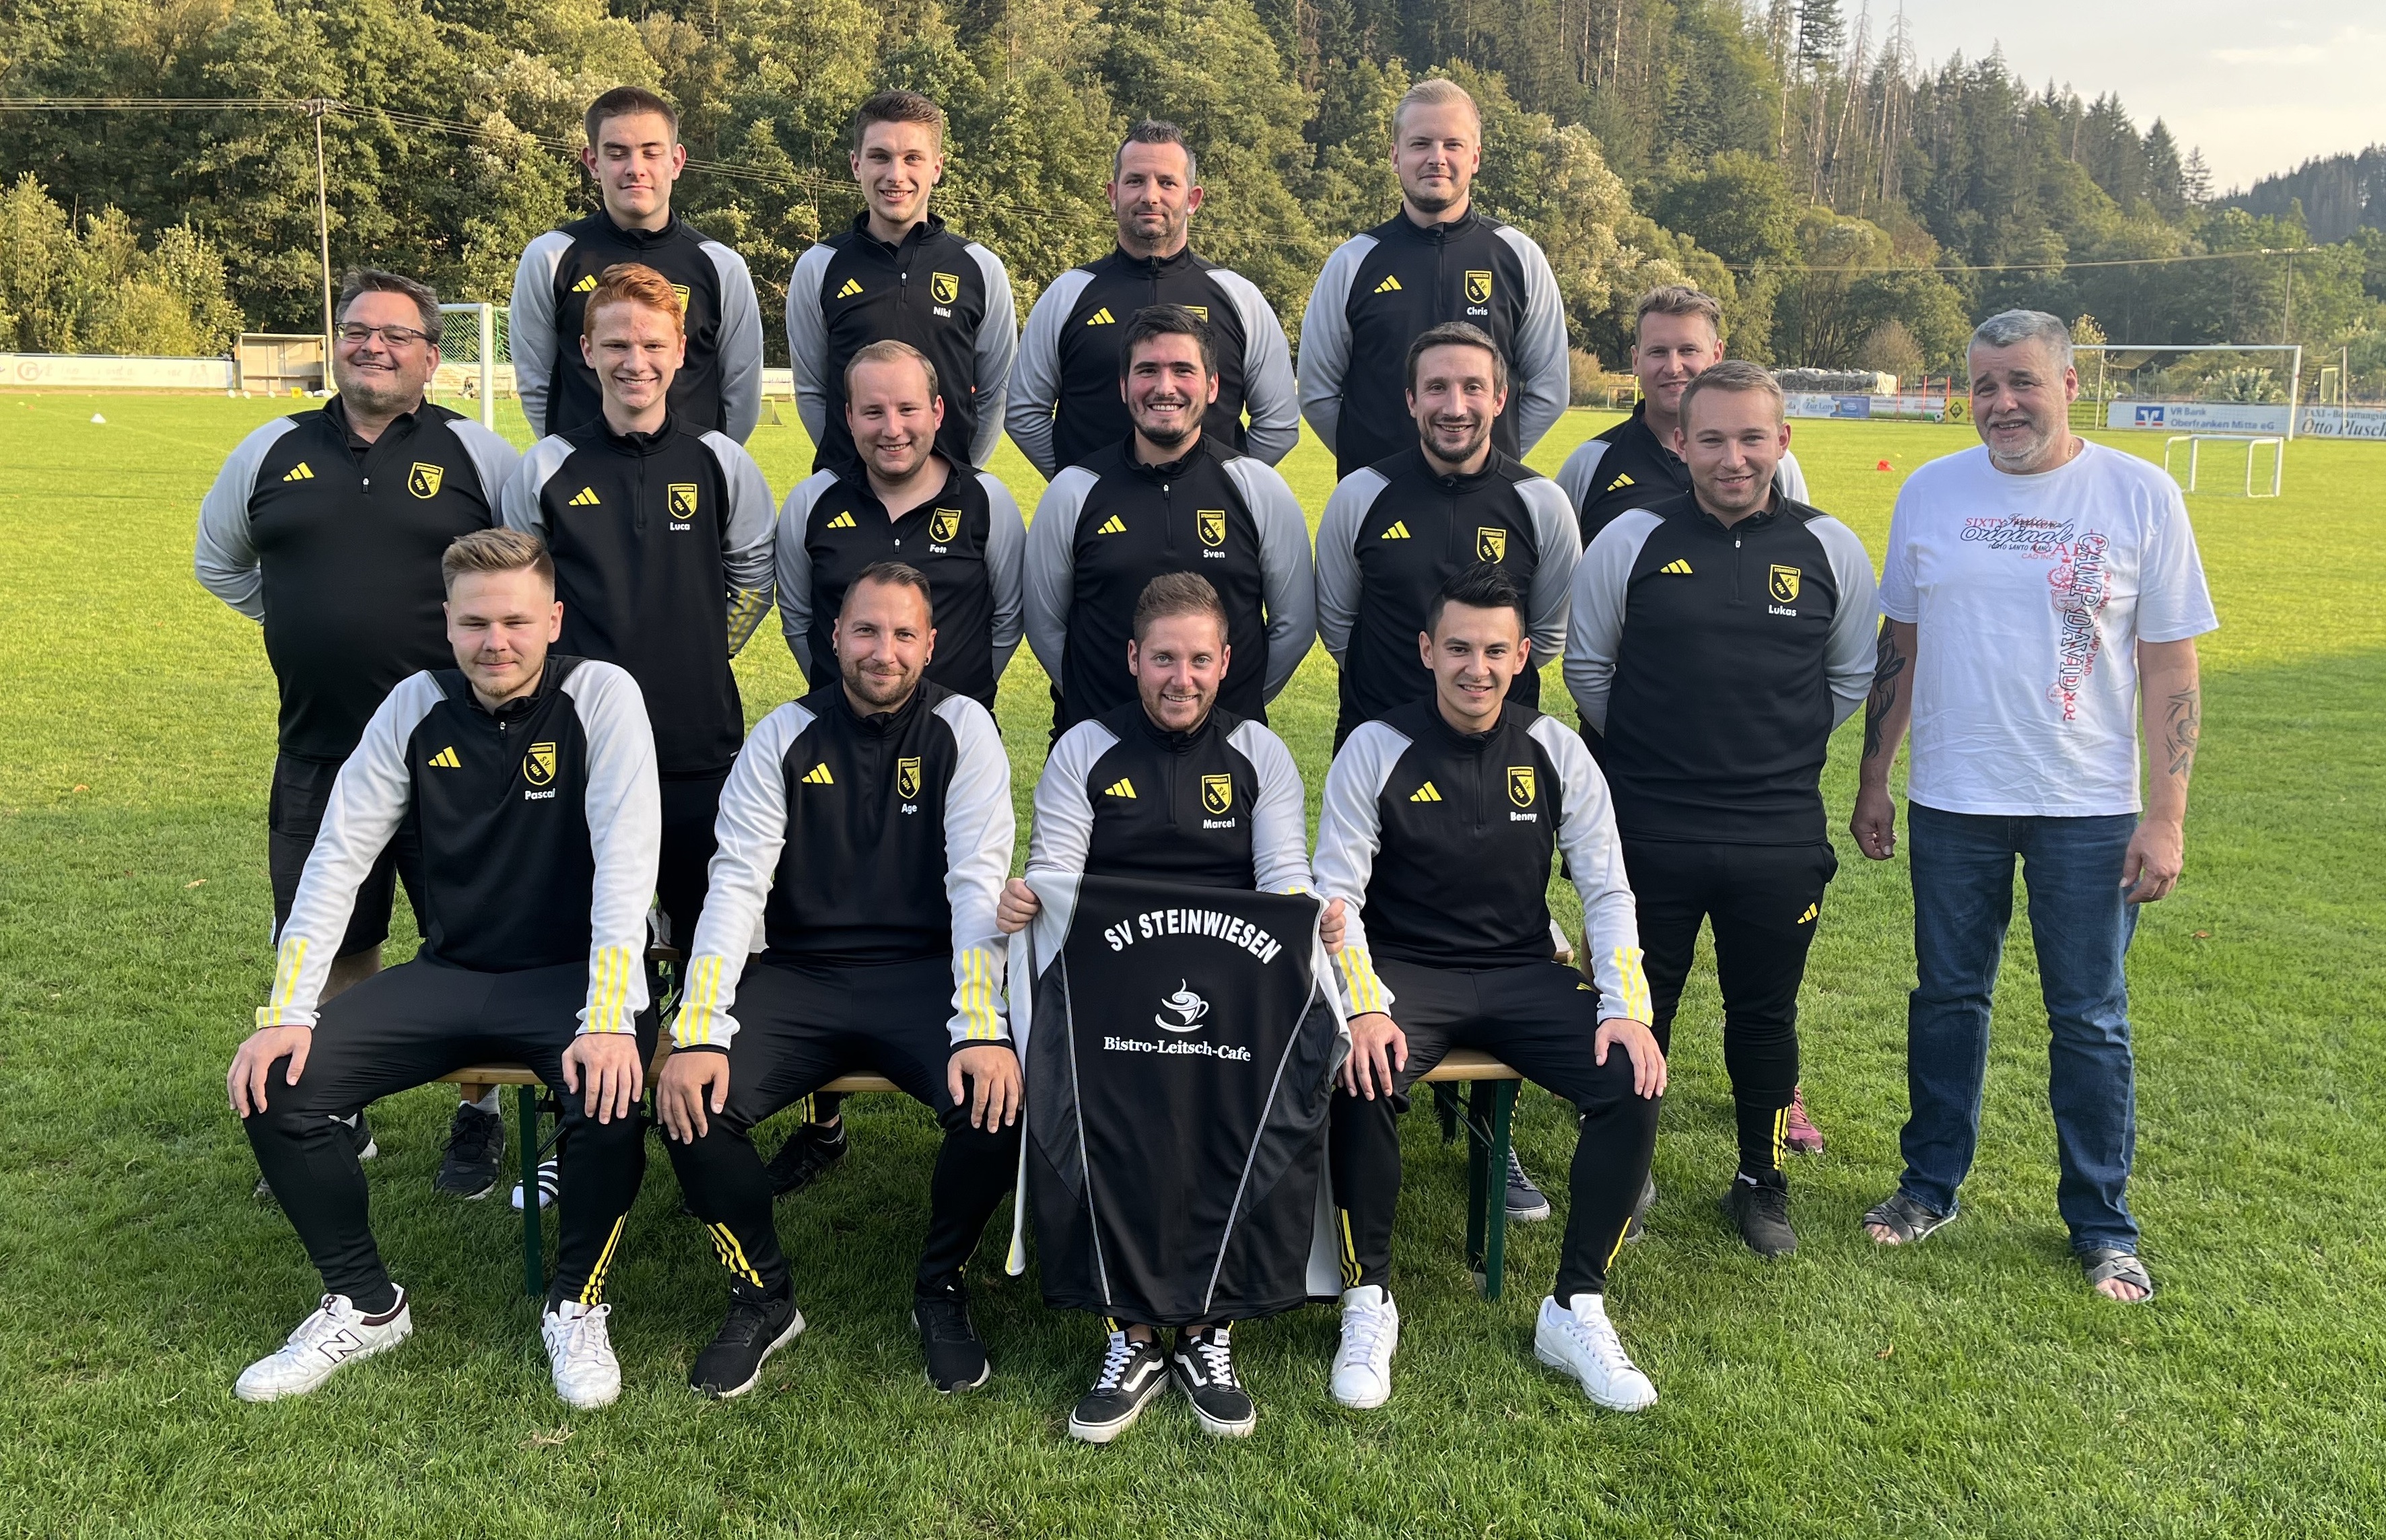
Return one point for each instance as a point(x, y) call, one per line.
point(1108, 527)
point(1219, 806)
point(1380, 289)
point(946, 295)
point(1628, 467)
point(1394, 533)
point(718, 385)
point(334, 545)
point(1065, 402)
point(967, 540)
point(1439, 844)
point(541, 825)
point(662, 546)
point(1714, 661)
point(858, 840)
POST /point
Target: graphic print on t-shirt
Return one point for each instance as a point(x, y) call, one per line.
point(2079, 585)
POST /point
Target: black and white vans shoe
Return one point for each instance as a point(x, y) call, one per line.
point(474, 1154)
point(1205, 1366)
point(1526, 1203)
point(1133, 1372)
point(755, 1329)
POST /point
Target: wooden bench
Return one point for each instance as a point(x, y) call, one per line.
point(1487, 1119)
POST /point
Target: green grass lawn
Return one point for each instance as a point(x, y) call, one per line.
point(1973, 1387)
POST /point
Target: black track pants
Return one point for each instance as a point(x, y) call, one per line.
point(801, 1026)
point(406, 1026)
point(1764, 901)
point(1540, 1019)
point(691, 806)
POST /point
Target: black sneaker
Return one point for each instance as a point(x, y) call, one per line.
point(1205, 1366)
point(755, 1330)
point(1526, 1203)
point(1762, 1211)
point(359, 1132)
point(1133, 1372)
point(956, 1353)
point(1639, 1225)
point(806, 1157)
point(475, 1149)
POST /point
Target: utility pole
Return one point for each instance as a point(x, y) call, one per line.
point(317, 108)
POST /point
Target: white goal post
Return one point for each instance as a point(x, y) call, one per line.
point(2254, 444)
point(486, 315)
point(2226, 389)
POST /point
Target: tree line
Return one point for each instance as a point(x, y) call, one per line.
point(1850, 204)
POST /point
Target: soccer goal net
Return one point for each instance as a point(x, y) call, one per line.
point(473, 362)
point(2221, 389)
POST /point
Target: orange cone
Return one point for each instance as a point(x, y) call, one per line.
point(1882, 466)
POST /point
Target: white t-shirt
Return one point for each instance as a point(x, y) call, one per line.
point(2031, 594)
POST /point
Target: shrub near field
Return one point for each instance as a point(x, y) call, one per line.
point(1970, 1387)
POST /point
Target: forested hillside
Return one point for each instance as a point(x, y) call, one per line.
point(1639, 140)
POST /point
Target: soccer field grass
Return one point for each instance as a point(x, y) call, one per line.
point(1971, 1386)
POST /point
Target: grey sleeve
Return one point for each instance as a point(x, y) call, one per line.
point(808, 338)
point(979, 833)
point(1579, 473)
point(997, 346)
point(1049, 580)
point(519, 507)
point(1286, 574)
point(1543, 372)
point(1596, 627)
point(1557, 534)
point(1326, 340)
point(1791, 477)
point(1064, 830)
point(529, 324)
point(747, 539)
point(792, 563)
point(1338, 558)
point(224, 559)
point(1035, 376)
point(1271, 394)
point(1349, 832)
point(749, 834)
point(493, 460)
point(1280, 817)
point(368, 800)
point(1595, 863)
point(1006, 554)
point(625, 835)
point(1852, 648)
point(741, 343)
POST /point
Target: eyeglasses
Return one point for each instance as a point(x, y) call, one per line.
point(356, 332)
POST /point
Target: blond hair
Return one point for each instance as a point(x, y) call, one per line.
point(1436, 92)
point(497, 550)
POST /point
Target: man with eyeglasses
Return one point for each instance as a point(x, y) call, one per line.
point(327, 527)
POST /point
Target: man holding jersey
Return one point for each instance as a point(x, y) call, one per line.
point(1716, 641)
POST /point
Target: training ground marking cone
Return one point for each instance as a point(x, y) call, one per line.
point(1882, 466)
point(96, 418)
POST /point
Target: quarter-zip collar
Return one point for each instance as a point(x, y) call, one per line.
point(640, 445)
point(1466, 743)
point(1167, 471)
point(335, 412)
point(879, 724)
point(1178, 743)
point(920, 234)
point(1447, 229)
point(1762, 519)
point(644, 239)
point(512, 711)
point(1157, 268)
point(1460, 484)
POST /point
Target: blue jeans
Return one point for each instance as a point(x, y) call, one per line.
point(1963, 871)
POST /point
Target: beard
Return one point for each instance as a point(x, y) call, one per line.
point(882, 691)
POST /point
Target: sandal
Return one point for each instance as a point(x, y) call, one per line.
point(1908, 1220)
point(2103, 1263)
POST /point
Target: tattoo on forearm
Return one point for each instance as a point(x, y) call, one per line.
point(1887, 667)
point(2184, 722)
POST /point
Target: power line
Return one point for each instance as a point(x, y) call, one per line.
point(2042, 267)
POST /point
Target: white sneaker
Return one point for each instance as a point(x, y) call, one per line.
point(586, 1373)
point(1363, 1363)
point(336, 1333)
point(1579, 1339)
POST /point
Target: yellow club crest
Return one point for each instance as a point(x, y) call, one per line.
point(1478, 287)
point(1783, 584)
point(1211, 523)
point(1490, 545)
point(538, 764)
point(1218, 795)
point(680, 496)
point(945, 286)
point(1520, 785)
point(907, 778)
point(1201, 310)
point(423, 480)
point(944, 524)
point(679, 291)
